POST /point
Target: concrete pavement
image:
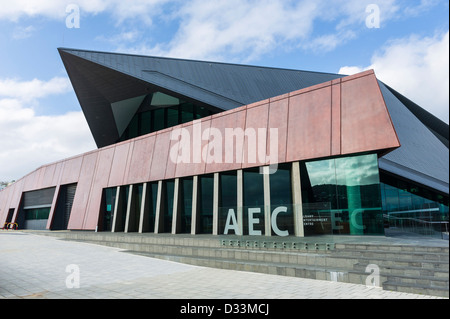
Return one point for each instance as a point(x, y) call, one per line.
point(33, 266)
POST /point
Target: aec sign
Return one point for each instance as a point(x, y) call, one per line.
point(232, 224)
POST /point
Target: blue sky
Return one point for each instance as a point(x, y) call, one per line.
point(41, 120)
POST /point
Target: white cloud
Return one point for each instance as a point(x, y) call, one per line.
point(34, 89)
point(208, 30)
point(244, 30)
point(56, 9)
point(417, 67)
point(28, 140)
point(21, 33)
point(240, 30)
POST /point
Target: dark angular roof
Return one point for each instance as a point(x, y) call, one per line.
point(101, 78)
point(423, 156)
point(221, 84)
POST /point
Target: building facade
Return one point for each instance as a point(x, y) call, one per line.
point(212, 148)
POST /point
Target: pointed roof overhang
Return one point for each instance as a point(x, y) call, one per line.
point(102, 79)
point(109, 98)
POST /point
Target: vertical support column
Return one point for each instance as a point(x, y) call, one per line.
point(175, 209)
point(127, 218)
point(158, 208)
point(116, 210)
point(215, 230)
point(297, 200)
point(267, 208)
point(52, 209)
point(195, 219)
point(240, 201)
point(143, 214)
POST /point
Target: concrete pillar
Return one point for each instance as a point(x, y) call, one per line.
point(215, 230)
point(267, 206)
point(240, 201)
point(52, 209)
point(195, 220)
point(158, 209)
point(143, 214)
point(116, 210)
point(176, 220)
point(128, 213)
point(297, 200)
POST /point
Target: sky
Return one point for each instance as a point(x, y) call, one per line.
point(405, 42)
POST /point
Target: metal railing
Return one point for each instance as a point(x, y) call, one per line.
point(425, 222)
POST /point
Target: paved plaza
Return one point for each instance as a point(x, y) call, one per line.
point(34, 266)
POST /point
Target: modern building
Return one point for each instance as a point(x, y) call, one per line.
point(213, 148)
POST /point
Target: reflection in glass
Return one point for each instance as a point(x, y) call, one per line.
point(349, 186)
point(37, 213)
point(159, 111)
point(108, 208)
point(253, 191)
point(412, 209)
point(281, 195)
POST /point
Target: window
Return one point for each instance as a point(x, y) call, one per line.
point(187, 112)
point(281, 195)
point(150, 211)
point(167, 206)
point(227, 196)
point(159, 111)
point(411, 208)
point(135, 208)
point(205, 204)
point(342, 196)
point(172, 116)
point(108, 209)
point(37, 213)
point(159, 122)
point(185, 213)
point(145, 123)
point(122, 209)
point(253, 192)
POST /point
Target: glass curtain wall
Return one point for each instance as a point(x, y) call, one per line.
point(168, 188)
point(253, 196)
point(205, 202)
point(227, 199)
point(410, 208)
point(37, 213)
point(122, 208)
point(109, 195)
point(281, 196)
point(150, 210)
point(135, 208)
point(185, 206)
point(339, 196)
point(342, 196)
point(159, 111)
